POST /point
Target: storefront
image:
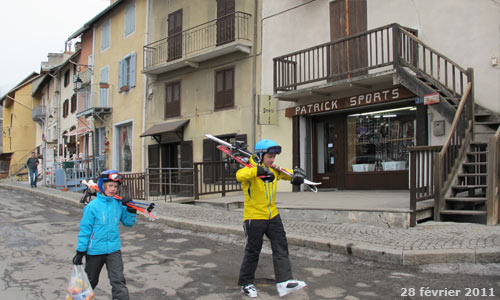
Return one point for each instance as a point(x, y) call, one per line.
point(362, 141)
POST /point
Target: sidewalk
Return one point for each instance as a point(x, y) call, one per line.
point(431, 242)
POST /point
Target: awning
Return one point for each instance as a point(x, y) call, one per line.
point(158, 129)
point(78, 131)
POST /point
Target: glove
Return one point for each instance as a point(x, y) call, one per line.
point(126, 200)
point(132, 210)
point(265, 174)
point(77, 259)
point(298, 176)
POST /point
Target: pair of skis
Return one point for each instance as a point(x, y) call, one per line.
point(240, 154)
point(145, 208)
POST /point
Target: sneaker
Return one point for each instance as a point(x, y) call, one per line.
point(249, 290)
point(286, 287)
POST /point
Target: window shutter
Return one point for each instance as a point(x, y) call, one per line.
point(219, 90)
point(103, 92)
point(207, 150)
point(132, 69)
point(229, 88)
point(120, 75)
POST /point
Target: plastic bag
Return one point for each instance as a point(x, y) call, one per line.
point(79, 287)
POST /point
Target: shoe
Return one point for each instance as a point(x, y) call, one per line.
point(249, 290)
point(286, 287)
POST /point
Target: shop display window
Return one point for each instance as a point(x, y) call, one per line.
point(379, 140)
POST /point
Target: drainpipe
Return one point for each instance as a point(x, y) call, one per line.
point(254, 71)
point(145, 87)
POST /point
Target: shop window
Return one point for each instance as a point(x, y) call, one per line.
point(125, 148)
point(379, 140)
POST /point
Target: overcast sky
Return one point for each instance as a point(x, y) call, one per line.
point(30, 29)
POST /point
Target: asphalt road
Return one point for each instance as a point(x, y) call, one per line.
point(38, 238)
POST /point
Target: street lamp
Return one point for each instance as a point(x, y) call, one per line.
point(78, 83)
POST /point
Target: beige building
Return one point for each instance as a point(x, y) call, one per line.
point(202, 64)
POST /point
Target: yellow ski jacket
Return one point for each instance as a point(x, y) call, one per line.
point(259, 195)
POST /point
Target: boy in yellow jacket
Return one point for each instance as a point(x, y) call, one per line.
point(261, 216)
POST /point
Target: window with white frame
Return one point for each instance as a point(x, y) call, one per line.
point(125, 147)
point(126, 73)
point(130, 19)
point(105, 35)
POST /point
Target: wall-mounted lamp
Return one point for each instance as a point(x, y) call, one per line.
point(77, 83)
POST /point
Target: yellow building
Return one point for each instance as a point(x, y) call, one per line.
point(19, 129)
point(113, 101)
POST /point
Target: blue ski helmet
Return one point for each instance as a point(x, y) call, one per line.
point(109, 175)
point(267, 146)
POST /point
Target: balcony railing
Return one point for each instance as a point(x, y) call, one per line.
point(233, 27)
point(39, 113)
point(95, 97)
point(343, 58)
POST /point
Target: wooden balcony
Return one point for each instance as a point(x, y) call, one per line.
point(222, 36)
point(357, 61)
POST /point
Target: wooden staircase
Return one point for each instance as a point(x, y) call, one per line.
point(467, 199)
point(463, 176)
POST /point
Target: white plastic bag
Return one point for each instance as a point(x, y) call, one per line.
point(79, 286)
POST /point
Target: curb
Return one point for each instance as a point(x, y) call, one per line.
point(342, 247)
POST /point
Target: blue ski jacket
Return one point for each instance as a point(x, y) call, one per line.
point(99, 227)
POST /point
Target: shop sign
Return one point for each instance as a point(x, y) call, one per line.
point(431, 98)
point(376, 97)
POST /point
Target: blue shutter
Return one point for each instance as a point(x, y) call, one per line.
point(120, 75)
point(132, 69)
point(103, 92)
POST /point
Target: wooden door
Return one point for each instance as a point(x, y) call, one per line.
point(225, 21)
point(186, 176)
point(174, 39)
point(348, 17)
point(154, 165)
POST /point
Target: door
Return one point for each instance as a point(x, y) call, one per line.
point(169, 161)
point(327, 153)
point(154, 165)
point(348, 17)
point(174, 39)
point(186, 176)
point(225, 21)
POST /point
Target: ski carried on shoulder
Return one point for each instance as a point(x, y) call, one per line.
point(240, 154)
point(146, 209)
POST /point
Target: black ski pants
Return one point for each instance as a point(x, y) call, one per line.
point(114, 265)
point(254, 232)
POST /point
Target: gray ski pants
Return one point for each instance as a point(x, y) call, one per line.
point(114, 266)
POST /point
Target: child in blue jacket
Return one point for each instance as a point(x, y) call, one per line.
point(99, 236)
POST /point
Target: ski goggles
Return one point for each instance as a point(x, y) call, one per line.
point(113, 176)
point(274, 150)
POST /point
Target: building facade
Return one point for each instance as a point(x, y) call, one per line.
point(201, 62)
point(112, 100)
point(352, 97)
